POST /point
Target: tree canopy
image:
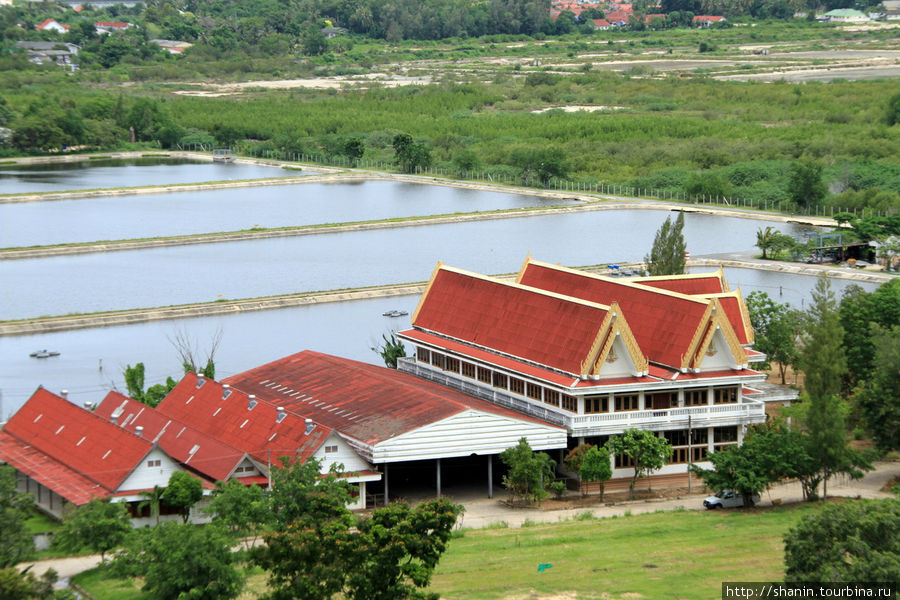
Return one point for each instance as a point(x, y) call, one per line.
point(648, 452)
point(99, 525)
point(529, 472)
point(851, 541)
point(16, 544)
point(667, 255)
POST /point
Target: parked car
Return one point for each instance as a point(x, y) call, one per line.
point(726, 499)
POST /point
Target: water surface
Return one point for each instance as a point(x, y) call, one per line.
point(128, 172)
point(191, 212)
point(327, 261)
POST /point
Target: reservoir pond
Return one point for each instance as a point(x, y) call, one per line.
point(234, 209)
point(127, 172)
point(327, 261)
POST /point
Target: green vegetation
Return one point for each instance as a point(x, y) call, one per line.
point(690, 555)
point(667, 256)
point(855, 541)
point(647, 452)
point(529, 473)
point(99, 526)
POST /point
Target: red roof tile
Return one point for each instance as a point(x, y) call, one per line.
point(734, 309)
point(78, 439)
point(511, 319)
point(361, 401)
point(260, 431)
point(663, 323)
point(196, 450)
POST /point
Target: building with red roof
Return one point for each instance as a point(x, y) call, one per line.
point(393, 419)
point(67, 455)
point(706, 20)
point(596, 355)
point(52, 25)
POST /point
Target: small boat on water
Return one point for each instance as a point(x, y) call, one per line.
point(395, 313)
point(44, 353)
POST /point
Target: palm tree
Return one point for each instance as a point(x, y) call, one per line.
point(765, 239)
point(153, 500)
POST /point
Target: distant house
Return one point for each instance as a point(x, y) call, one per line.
point(618, 18)
point(601, 24)
point(110, 26)
point(846, 15)
point(333, 32)
point(43, 52)
point(707, 20)
point(52, 25)
point(172, 46)
point(648, 19)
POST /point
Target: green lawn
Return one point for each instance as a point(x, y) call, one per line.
point(666, 555)
point(683, 555)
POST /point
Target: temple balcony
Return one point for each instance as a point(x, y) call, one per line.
point(746, 412)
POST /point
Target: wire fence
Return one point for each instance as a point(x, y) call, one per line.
point(556, 184)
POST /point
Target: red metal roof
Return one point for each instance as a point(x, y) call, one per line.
point(258, 431)
point(196, 450)
point(78, 439)
point(530, 324)
point(663, 323)
point(692, 284)
point(734, 310)
point(50, 473)
point(362, 401)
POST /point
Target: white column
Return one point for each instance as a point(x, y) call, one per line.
point(490, 459)
point(438, 463)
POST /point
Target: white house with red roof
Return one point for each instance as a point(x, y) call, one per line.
point(52, 25)
point(67, 455)
point(597, 355)
point(707, 20)
point(111, 26)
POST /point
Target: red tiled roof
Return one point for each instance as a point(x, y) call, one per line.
point(601, 23)
point(78, 439)
point(707, 18)
point(528, 324)
point(617, 16)
point(663, 323)
point(258, 432)
point(362, 401)
point(112, 24)
point(50, 473)
point(196, 450)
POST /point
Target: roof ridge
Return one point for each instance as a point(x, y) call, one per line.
point(623, 282)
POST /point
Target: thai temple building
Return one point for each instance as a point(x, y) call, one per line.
point(598, 355)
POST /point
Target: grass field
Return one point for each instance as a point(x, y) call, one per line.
point(671, 555)
point(666, 555)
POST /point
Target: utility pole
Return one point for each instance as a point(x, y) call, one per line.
point(690, 453)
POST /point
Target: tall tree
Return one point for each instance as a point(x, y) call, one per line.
point(879, 400)
point(596, 467)
point(776, 327)
point(16, 544)
point(648, 452)
point(824, 364)
point(183, 492)
point(529, 472)
point(667, 255)
point(822, 356)
point(805, 186)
